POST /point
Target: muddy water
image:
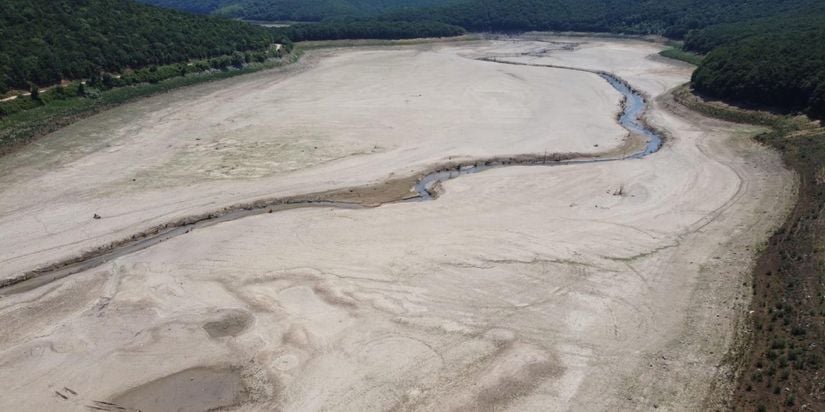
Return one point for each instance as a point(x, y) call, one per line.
point(196, 389)
point(634, 106)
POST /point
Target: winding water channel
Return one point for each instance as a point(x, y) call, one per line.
point(634, 106)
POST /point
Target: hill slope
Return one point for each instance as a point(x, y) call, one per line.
point(673, 18)
point(297, 10)
point(778, 63)
point(43, 41)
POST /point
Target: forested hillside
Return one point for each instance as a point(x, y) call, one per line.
point(368, 29)
point(44, 41)
point(709, 38)
point(296, 10)
point(192, 6)
point(778, 63)
point(673, 18)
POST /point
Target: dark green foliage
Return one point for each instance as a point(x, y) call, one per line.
point(370, 30)
point(44, 41)
point(703, 41)
point(34, 92)
point(816, 104)
point(296, 10)
point(192, 6)
point(781, 65)
point(673, 18)
point(677, 53)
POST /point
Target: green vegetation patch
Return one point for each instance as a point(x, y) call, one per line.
point(373, 29)
point(45, 41)
point(297, 10)
point(677, 53)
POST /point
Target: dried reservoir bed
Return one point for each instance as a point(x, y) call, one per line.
point(594, 286)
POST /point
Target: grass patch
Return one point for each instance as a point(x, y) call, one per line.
point(675, 51)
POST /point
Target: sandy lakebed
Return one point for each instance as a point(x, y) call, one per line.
point(601, 286)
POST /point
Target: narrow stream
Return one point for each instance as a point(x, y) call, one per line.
point(634, 106)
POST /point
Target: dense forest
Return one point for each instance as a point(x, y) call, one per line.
point(709, 38)
point(767, 52)
point(44, 41)
point(673, 18)
point(778, 63)
point(192, 6)
point(358, 29)
point(296, 10)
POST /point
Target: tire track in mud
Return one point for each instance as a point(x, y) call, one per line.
point(423, 186)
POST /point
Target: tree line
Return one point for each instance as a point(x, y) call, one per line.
point(369, 29)
point(778, 63)
point(45, 41)
point(672, 18)
point(296, 10)
point(766, 52)
point(99, 82)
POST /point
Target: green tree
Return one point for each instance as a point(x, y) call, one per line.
point(238, 59)
point(43, 41)
point(34, 92)
point(107, 81)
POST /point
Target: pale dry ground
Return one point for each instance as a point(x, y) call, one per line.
point(523, 288)
point(351, 117)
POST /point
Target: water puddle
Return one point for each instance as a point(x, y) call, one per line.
point(195, 390)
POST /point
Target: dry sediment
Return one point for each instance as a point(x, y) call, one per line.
point(395, 190)
point(602, 286)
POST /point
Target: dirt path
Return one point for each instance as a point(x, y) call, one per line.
point(27, 94)
point(608, 286)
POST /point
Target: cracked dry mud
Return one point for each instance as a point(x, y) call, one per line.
point(521, 288)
